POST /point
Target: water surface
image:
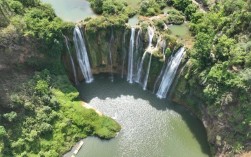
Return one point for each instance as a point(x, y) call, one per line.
point(71, 10)
point(179, 30)
point(133, 21)
point(150, 127)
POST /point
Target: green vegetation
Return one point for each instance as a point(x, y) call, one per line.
point(45, 118)
point(38, 22)
point(175, 17)
point(221, 63)
point(112, 7)
point(150, 7)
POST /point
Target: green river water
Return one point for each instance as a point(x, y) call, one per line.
point(150, 127)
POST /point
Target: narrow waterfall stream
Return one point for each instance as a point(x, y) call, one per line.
point(72, 61)
point(82, 55)
point(147, 72)
point(170, 73)
point(150, 31)
point(137, 52)
point(131, 57)
point(139, 74)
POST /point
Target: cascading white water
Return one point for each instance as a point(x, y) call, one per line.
point(137, 50)
point(147, 73)
point(130, 57)
point(150, 31)
point(72, 62)
point(137, 45)
point(82, 55)
point(140, 68)
point(170, 73)
point(110, 54)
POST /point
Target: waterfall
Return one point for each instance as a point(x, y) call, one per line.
point(72, 62)
point(110, 54)
point(137, 50)
point(147, 73)
point(124, 54)
point(150, 31)
point(170, 73)
point(82, 55)
point(130, 57)
point(140, 68)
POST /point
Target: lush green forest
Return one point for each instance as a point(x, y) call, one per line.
point(220, 62)
point(44, 116)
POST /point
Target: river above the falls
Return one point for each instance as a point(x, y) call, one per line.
point(71, 10)
point(150, 127)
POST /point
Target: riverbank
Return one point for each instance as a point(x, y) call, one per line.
point(87, 106)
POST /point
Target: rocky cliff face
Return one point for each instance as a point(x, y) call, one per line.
point(108, 49)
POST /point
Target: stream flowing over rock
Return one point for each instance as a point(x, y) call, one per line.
point(113, 51)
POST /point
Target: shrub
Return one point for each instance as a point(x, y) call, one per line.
point(16, 6)
point(97, 6)
point(42, 87)
point(11, 116)
point(113, 7)
point(2, 132)
point(149, 8)
point(175, 19)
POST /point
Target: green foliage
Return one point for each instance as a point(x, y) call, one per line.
point(2, 132)
point(102, 22)
point(50, 119)
point(149, 7)
point(16, 6)
point(202, 49)
point(10, 117)
point(230, 6)
point(220, 63)
point(190, 10)
point(97, 6)
point(43, 24)
point(175, 19)
point(42, 87)
point(181, 4)
point(222, 47)
point(159, 23)
point(30, 3)
point(112, 7)
point(168, 52)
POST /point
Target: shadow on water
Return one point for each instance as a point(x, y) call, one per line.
point(104, 89)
